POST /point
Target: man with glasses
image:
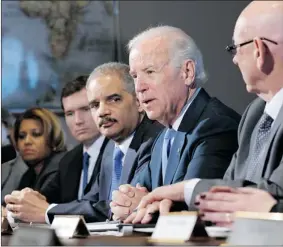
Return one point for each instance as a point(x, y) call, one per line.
point(258, 162)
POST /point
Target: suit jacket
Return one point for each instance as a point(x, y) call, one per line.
point(65, 186)
point(95, 204)
point(270, 177)
point(16, 175)
point(8, 153)
point(203, 146)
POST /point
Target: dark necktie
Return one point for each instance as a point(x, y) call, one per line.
point(117, 169)
point(262, 135)
point(167, 143)
point(85, 170)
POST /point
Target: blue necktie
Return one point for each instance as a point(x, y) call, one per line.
point(263, 133)
point(167, 143)
point(85, 170)
point(117, 170)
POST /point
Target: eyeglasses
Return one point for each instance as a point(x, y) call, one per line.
point(233, 48)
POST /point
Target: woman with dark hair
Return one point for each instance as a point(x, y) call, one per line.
point(39, 140)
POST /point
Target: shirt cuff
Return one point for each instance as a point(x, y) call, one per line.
point(46, 213)
point(10, 219)
point(189, 188)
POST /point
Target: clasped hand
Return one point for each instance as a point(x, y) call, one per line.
point(27, 205)
point(125, 200)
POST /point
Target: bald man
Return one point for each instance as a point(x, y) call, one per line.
point(258, 163)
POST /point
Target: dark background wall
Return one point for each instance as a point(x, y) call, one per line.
point(211, 25)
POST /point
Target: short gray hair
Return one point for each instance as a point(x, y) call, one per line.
point(120, 69)
point(182, 47)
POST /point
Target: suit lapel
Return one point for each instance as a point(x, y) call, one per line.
point(188, 123)
point(128, 165)
point(274, 130)
point(130, 162)
point(193, 113)
point(97, 167)
point(174, 157)
point(156, 160)
point(106, 170)
point(73, 174)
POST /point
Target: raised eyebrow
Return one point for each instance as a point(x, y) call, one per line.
point(67, 112)
point(83, 107)
point(111, 96)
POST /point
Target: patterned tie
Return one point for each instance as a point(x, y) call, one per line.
point(85, 170)
point(262, 136)
point(167, 143)
point(117, 170)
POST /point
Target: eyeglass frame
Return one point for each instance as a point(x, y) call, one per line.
point(232, 49)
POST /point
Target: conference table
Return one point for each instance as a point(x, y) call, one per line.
point(123, 241)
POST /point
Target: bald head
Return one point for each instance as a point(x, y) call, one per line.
point(259, 32)
point(261, 18)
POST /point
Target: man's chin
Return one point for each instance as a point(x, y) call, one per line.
point(152, 115)
point(251, 89)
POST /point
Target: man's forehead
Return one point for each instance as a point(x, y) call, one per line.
point(75, 105)
point(242, 29)
point(101, 91)
point(148, 57)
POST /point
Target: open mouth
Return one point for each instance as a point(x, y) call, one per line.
point(147, 102)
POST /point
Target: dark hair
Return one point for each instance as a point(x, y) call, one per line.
point(73, 86)
point(52, 128)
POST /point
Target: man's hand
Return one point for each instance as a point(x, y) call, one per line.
point(125, 200)
point(219, 204)
point(174, 192)
point(27, 205)
point(144, 215)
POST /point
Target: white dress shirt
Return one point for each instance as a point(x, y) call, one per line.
point(272, 108)
point(124, 146)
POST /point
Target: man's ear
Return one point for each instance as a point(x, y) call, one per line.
point(188, 72)
point(260, 50)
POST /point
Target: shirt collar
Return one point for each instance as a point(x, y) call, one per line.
point(96, 145)
point(273, 107)
point(124, 145)
point(178, 121)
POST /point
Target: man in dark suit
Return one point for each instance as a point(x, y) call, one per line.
point(204, 130)
point(258, 162)
point(118, 115)
point(84, 160)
